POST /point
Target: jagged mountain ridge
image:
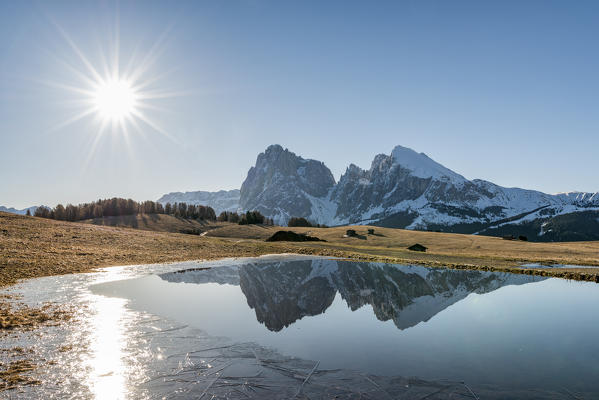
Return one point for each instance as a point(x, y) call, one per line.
point(404, 189)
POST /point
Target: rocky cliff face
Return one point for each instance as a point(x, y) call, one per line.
point(282, 185)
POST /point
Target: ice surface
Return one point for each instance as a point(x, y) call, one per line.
point(111, 351)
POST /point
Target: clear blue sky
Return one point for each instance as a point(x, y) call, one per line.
point(503, 91)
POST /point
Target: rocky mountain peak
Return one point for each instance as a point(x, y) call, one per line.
point(274, 152)
point(282, 184)
point(381, 162)
point(353, 171)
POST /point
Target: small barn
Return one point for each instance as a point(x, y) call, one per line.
point(417, 247)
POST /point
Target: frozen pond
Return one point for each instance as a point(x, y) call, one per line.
point(285, 327)
point(536, 265)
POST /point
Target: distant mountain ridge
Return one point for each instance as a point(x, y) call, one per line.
point(223, 200)
point(406, 189)
point(13, 210)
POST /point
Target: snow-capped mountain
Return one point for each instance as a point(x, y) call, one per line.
point(411, 188)
point(13, 210)
point(406, 189)
point(223, 200)
point(281, 293)
point(403, 189)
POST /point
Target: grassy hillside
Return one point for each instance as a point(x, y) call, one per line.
point(157, 223)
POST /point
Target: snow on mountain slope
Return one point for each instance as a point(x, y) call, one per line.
point(223, 200)
point(580, 198)
point(422, 166)
point(425, 193)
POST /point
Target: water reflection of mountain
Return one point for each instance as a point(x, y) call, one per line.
point(284, 292)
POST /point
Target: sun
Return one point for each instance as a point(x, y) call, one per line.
point(118, 96)
point(115, 100)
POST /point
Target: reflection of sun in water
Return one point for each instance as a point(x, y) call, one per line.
point(115, 99)
point(107, 378)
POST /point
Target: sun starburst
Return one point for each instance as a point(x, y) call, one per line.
point(115, 99)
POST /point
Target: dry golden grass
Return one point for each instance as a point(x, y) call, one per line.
point(156, 223)
point(25, 317)
point(15, 374)
point(32, 247)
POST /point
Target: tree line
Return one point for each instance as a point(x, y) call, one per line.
point(117, 207)
point(303, 222)
point(247, 218)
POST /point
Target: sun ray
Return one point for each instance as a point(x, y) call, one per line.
point(72, 120)
point(103, 60)
point(161, 95)
point(127, 139)
point(132, 59)
point(117, 46)
point(82, 76)
point(92, 149)
point(150, 57)
point(135, 125)
point(73, 89)
point(142, 117)
point(148, 106)
point(150, 81)
point(79, 53)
